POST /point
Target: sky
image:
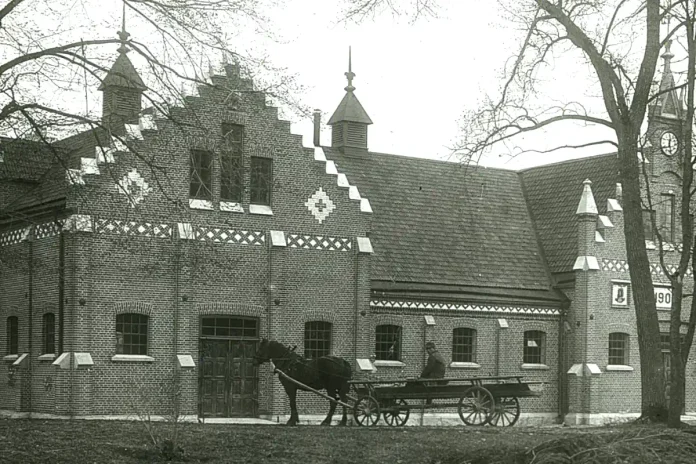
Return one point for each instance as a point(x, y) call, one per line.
point(414, 79)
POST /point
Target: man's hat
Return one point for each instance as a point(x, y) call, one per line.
point(429, 345)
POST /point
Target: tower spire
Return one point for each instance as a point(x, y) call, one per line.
point(122, 34)
point(350, 75)
point(667, 56)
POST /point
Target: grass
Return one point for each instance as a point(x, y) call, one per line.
point(57, 441)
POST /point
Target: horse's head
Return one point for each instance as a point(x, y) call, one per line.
point(262, 354)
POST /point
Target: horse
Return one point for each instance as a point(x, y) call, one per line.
point(330, 373)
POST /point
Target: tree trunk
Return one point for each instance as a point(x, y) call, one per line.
point(653, 407)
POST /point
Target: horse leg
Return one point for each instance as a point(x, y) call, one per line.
point(332, 407)
point(292, 396)
point(343, 393)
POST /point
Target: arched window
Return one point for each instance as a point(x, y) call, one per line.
point(12, 335)
point(131, 333)
point(618, 348)
point(317, 339)
point(388, 342)
point(464, 345)
point(534, 347)
point(49, 333)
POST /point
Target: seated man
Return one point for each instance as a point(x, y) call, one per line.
point(435, 367)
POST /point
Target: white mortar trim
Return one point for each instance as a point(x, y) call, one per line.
point(383, 363)
point(618, 367)
point(464, 365)
point(534, 367)
point(264, 210)
point(200, 204)
point(137, 358)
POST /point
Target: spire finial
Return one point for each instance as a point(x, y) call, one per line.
point(122, 34)
point(350, 74)
point(668, 55)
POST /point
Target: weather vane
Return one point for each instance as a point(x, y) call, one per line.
point(122, 34)
point(350, 74)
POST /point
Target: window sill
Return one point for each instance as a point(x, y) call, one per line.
point(534, 367)
point(389, 364)
point(464, 365)
point(10, 357)
point(231, 207)
point(618, 367)
point(138, 358)
point(47, 357)
point(264, 210)
point(200, 204)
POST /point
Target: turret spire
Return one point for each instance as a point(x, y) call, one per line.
point(350, 75)
point(122, 34)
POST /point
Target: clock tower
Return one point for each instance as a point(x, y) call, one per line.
point(662, 154)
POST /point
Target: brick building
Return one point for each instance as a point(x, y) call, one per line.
point(160, 251)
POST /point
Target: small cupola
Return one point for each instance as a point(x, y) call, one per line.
point(349, 122)
point(123, 89)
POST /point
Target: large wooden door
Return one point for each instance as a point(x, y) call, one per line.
point(228, 381)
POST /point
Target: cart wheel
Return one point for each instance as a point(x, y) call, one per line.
point(506, 411)
point(398, 413)
point(476, 406)
point(366, 411)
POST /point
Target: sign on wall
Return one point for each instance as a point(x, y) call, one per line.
point(619, 294)
point(663, 297)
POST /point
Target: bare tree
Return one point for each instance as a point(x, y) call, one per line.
point(54, 54)
point(601, 35)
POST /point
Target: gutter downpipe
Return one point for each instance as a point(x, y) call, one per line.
point(177, 387)
point(31, 319)
point(269, 320)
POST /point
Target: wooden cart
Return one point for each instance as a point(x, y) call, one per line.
point(478, 400)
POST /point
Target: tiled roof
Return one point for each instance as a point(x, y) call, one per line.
point(350, 109)
point(123, 74)
point(443, 223)
point(23, 160)
point(553, 193)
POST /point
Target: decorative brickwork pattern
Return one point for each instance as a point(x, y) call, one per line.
point(140, 229)
point(622, 266)
point(48, 229)
point(614, 265)
point(239, 237)
point(13, 237)
point(317, 242)
point(429, 306)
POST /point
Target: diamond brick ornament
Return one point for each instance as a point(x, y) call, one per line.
point(320, 205)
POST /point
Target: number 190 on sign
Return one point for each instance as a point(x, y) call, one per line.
point(663, 298)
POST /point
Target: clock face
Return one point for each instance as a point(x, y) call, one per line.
point(669, 143)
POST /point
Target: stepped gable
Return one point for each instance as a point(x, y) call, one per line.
point(443, 223)
point(552, 195)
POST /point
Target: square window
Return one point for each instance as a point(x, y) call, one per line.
point(388, 343)
point(131, 334)
point(317, 339)
point(618, 348)
point(464, 345)
point(534, 347)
